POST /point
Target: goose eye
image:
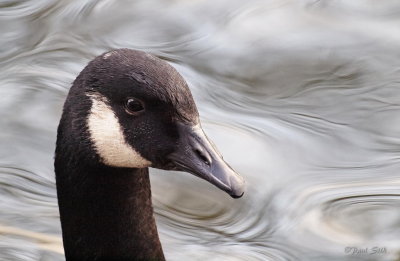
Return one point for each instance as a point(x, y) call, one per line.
point(133, 106)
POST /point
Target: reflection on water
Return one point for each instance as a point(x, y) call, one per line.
point(301, 97)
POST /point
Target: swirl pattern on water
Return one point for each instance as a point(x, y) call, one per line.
point(302, 97)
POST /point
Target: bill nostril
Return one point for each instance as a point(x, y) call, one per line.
point(203, 157)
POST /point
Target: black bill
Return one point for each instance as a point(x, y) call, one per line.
point(195, 154)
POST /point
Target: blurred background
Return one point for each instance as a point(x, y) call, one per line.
point(302, 97)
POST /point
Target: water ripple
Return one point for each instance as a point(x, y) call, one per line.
point(301, 97)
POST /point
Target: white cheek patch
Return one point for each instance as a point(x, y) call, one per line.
point(108, 138)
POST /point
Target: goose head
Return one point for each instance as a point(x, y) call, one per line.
point(142, 114)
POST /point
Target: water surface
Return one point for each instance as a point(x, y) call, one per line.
point(301, 97)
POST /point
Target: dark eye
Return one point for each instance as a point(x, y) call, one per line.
point(133, 106)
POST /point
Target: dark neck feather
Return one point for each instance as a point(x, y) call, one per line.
point(106, 213)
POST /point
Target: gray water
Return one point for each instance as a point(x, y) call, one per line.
point(301, 96)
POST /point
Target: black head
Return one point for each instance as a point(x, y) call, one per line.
point(134, 110)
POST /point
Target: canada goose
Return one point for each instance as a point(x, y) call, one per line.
point(125, 112)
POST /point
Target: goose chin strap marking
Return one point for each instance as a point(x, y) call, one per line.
point(108, 138)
